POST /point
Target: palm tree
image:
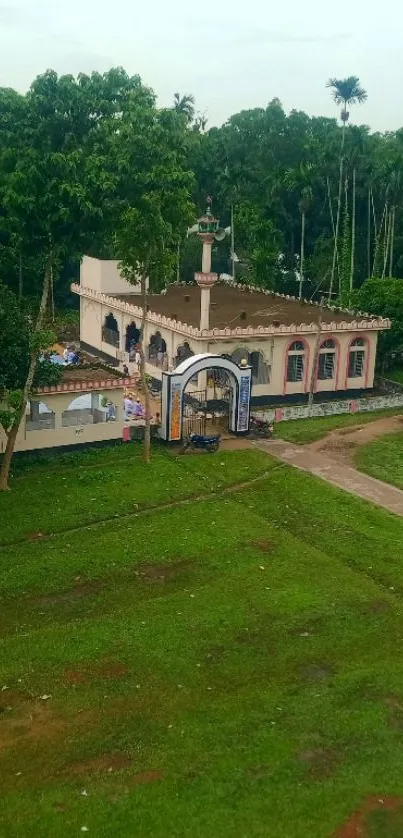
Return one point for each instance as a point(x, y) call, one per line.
point(185, 104)
point(346, 92)
point(301, 179)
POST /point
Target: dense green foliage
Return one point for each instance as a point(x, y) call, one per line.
point(242, 677)
point(384, 297)
point(82, 161)
point(14, 342)
point(63, 164)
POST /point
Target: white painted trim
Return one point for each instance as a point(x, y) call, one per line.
point(376, 324)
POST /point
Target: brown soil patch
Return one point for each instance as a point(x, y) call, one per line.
point(107, 669)
point(341, 449)
point(378, 606)
point(38, 723)
point(103, 764)
point(353, 430)
point(395, 712)
point(316, 672)
point(59, 807)
point(355, 827)
point(319, 762)
point(394, 702)
point(262, 544)
point(161, 573)
point(259, 772)
point(69, 595)
point(13, 699)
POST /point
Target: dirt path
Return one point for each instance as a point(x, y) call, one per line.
point(337, 473)
point(341, 444)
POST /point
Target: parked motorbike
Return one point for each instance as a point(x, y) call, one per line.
point(195, 441)
point(260, 428)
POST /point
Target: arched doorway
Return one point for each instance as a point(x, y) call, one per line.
point(132, 336)
point(174, 390)
point(110, 331)
point(157, 351)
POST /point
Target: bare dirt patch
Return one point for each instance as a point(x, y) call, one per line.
point(395, 712)
point(69, 596)
point(91, 671)
point(160, 573)
point(319, 762)
point(37, 724)
point(340, 444)
point(13, 699)
point(378, 606)
point(316, 672)
point(259, 772)
point(34, 536)
point(355, 827)
point(102, 764)
point(262, 544)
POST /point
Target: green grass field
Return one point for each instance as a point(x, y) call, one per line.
point(395, 374)
point(303, 431)
point(383, 458)
point(208, 647)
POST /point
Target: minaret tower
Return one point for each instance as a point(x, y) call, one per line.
point(207, 230)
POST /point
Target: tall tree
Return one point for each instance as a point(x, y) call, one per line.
point(185, 105)
point(56, 194)
point(345, 92)
point(154, 210)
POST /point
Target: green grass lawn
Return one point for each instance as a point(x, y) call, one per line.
point(383, 458)
point(395, 374)
point(223, 667)
point(303, 431)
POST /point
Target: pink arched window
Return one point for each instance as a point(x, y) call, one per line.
point(327, 360)
point(357, 358)
point(296, 360)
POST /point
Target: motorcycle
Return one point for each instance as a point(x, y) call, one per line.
point(260, 428)
point(208, 443)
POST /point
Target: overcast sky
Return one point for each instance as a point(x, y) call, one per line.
point(230, 55)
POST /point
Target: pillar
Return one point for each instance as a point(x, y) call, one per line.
point(206, 256)
point(204, 308)
point(94, 401)
point(58, 411)
point(34, 411)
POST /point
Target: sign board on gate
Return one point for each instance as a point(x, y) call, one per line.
point(244, 397)
point(175, 412)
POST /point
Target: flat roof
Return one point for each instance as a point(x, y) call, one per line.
point(73, 374)
point(233, 308)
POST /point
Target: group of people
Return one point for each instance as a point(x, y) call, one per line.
point(133, 408)
point(70, 355)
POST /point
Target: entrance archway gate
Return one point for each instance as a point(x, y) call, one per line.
point(174, 385)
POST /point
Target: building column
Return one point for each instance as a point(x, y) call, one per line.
point(34, 411)
point(58, 412)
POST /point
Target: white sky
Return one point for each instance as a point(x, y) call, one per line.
point(230, 55)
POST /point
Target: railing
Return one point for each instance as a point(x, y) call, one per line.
point(111, 337)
